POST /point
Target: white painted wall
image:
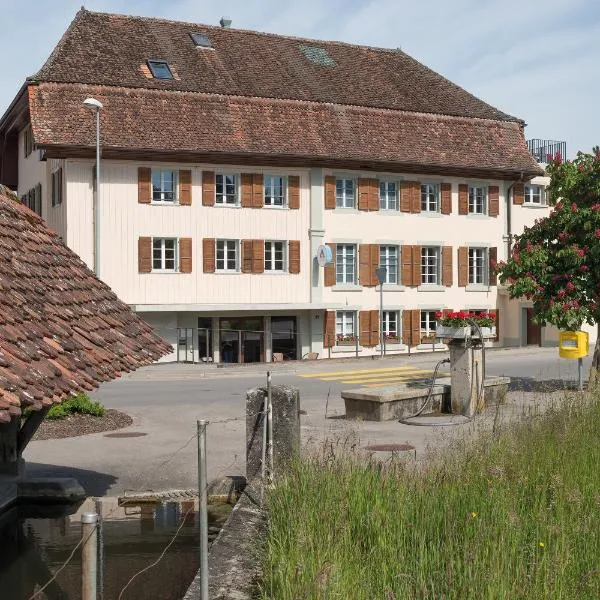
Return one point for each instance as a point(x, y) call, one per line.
point(31, 171)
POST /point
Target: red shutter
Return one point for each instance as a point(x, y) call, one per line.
point(247, 197)
point(294, 256)
point(208, 255)
point(329, 270)
point(463, 266)
point(416, 265)
point(247, 256)
point(518, 193)
point(493, 260)
point(374, 251)
point(185, 255)
point(329, 329)
point(258, 256)
point(415, 198)
point(185, 187)
point(447, 266)
point(258, 191)
point(463, 199)
point(144, 255)
point(494, 198)
point(208, 189)
point(329, 192)
point(374, 195)
point(294, 192)
point(144, 185)
point(405, 196)
point(446, 198)
point(415, 329)
point(364, 191)
point(407, 265)
point(374, 327)
point(364, 319)
point(364, 264)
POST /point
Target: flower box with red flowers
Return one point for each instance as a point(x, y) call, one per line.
point(460, 325)
point(345, 340)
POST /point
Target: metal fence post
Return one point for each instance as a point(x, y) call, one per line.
point(203, 509)
point(89, 556)
point(100, 512)
point(270, 425)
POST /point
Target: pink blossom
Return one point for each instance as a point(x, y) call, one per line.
point(575, 304)
point(581, 168)
point(584, 268)
point(597, 233)
point(574, 207)
point(570, 286)
point(581, 252)
point(562, 236)
point(561, 293)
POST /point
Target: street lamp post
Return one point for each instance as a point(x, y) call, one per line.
point(96, 106)
point(381, 273)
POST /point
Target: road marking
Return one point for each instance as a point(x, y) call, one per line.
point(394, 373)
point(358, 372)
point(425, 375)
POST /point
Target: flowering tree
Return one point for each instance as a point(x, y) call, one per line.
point(556, 263)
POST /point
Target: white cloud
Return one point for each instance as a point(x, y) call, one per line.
point(535, 59)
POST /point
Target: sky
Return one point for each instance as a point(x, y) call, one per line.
point(534, 59)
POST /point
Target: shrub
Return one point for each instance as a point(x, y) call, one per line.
point(78, 404)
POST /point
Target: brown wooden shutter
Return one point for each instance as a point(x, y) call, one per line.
point(494, 199)
point(258, 256)
point(405, 196)
point(416, 265)
point(374, 327)
point(415, 329)
point(247, 198)
point(144, 185)
point(185, 187)
point(374, 194)
point(329, 270)
point(208, 190)
point(294, 192)
point(415, 197)
point(463, 199)
point(294, 256)
point(364, 191)
point(329, 192)
point(446, 198)
point(463, 266)
point(407, 265)
point(185, 255)
point(518, 193)
point(447, 266)
point(258, 190)
point(374, 263)
point(364, 265)
point(329, 329)
point(493, 260)
point(144, 254)
point(364, 319)
point(208, 255)
point(247, 256)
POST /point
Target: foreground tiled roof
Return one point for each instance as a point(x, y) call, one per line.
point(61, 329)
point(108, 49)
point(201, 124)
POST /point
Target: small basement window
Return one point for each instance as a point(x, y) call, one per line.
point(160, 69)
point(200, 39)
point(317, 56)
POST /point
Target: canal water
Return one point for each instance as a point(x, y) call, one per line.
point(36, 541)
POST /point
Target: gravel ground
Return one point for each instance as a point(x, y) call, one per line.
point(76, 425)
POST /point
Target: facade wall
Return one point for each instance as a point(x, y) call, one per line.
point(32, 171)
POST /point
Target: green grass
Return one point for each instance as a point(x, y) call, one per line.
point(78, 404)
point(512, 515)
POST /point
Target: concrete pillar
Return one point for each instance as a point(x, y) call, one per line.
point(466, 372)
point(268, 339)
point(216, 340)
point(286, 428)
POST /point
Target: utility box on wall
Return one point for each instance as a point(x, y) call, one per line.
point(573, 344)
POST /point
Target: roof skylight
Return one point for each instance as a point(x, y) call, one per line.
point(317, 56)
point(160, 69)
point(200, 39)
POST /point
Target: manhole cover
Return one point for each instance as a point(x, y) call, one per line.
point(390, 448)
point(125, 435)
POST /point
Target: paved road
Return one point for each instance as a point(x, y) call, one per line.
point(165, 401)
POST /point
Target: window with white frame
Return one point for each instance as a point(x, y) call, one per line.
point(391, 325)
point(534, 194)
point(344, 193)
point(478, 266)
point(428, 325)
point(226, 189)
point(430, 265)
point(164, 186)
point(388, 195)
point(430, 197)
point(477, 200)
point(228, 255)
point(345, 326)
point(345, 264)
point(275, 256)
point(164, 254)
point(274, 190)
point(388, 258)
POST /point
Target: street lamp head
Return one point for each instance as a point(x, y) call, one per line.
point(92, 103)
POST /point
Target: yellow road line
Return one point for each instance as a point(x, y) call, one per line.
point(390, 378)
point(412, 372)
point(358, 372)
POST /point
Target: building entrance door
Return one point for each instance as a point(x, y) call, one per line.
point(533, 330)
point(185, 345)
point(242, 339)
point(205, 353)
point(284, 338)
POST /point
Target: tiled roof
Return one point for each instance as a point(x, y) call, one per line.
point(61, 329)
point(108, 49)
point(202, 124)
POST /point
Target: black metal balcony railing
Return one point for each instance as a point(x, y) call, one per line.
point(541, 149)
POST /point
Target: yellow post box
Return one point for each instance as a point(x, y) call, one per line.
point(573, 344)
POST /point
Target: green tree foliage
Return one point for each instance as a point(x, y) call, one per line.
point(556, 262)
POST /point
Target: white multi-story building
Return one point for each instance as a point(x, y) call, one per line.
point(231, 157)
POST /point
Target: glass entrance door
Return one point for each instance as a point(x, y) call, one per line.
point(185, 345)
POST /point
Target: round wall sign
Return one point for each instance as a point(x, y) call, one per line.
point(324, 255)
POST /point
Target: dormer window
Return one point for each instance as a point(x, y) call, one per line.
point(160, 69)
